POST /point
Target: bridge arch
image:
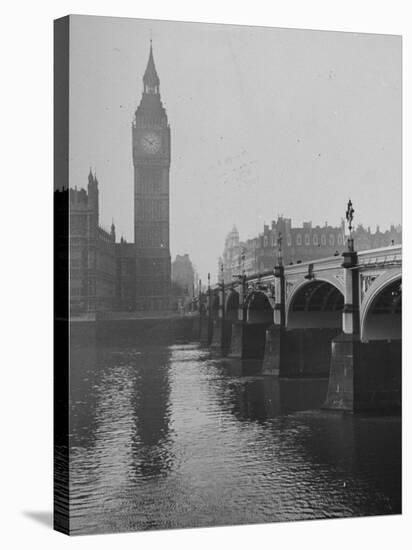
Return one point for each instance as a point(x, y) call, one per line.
point(259, 309)
point(232, 306)
point(315, 304)
point(259, 316)
point(381, 311)
point(313, 320)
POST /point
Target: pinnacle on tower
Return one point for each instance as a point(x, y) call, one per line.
point(150, 79)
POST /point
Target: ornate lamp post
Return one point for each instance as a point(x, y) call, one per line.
point(349, 218)
point(346, 372)
point(243, 282)
point(280, 251)
point(350, 257)
point(351, 324)
point(201, 310)
point(209, 318)
point(222, 287)
point(279, 273)
point(242, 279)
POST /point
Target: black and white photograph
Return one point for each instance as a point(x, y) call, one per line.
point(233, 199)
point(206, 275)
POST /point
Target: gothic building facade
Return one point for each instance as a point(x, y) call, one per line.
point(105, 275)
point(92, 263)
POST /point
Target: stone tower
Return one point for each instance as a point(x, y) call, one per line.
point(151, 160)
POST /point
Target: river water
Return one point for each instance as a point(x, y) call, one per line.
point(172, 437)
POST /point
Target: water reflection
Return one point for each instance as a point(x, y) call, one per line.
point(151, 411)
point(262, 398)
point(174, 437)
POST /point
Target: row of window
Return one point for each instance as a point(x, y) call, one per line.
point(323, 241)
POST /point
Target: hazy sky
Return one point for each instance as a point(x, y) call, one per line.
point(263, 121)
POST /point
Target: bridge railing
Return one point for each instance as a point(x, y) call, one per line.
point(387, 255)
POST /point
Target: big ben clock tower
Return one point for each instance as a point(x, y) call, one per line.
point(151, 160)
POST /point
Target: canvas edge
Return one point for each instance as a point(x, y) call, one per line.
point(61, 44)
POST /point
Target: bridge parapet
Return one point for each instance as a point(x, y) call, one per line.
point(381, 257)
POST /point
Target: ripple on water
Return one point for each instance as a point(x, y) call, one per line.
point(172, 437)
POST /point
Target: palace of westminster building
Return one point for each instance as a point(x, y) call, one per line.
point(109, 275)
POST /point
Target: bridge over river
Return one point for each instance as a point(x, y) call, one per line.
point(339, 317)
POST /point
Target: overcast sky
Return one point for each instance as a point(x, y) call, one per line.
point(263, 122)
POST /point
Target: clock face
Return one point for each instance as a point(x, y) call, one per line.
point(150, 142)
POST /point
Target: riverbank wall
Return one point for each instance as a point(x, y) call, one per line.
point(115, 328)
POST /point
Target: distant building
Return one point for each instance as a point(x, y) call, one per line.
point(183, 280)
point(299, 244)
point(365, 239)
point(183, 273)
point(231, 254)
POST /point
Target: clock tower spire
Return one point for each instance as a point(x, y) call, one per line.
point(151, 161)
point(151, 80)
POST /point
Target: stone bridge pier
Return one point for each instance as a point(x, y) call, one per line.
point(243, 328)
point(216, 321)
point(366, 361)
point(249, 313)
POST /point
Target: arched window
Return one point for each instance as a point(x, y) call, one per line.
point(323, 240)
point(332, 239)
point(298, 239)
point(307, 239)
point(289, 239)
point(340, 240)
point(315, 239)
